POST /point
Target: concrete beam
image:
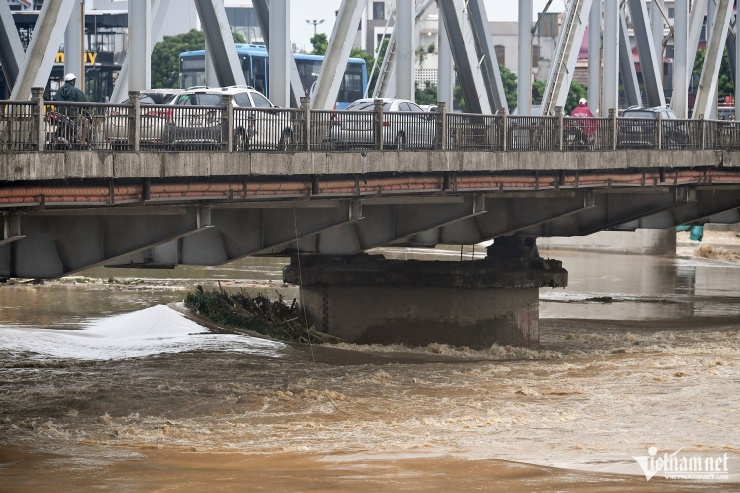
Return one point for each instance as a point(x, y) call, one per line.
point(74, 45)
point(404, 53)
point(610, 96)
point(297, 91)
point(386, 223)
point(159, 12)
point(610, 210)
point(221, 42)
point(506, 215)
point(42, 51)
point(524, 63)
point(337, 54)
point(280, 52)
point(681, 65)
point(140, 45)
point(649, 63)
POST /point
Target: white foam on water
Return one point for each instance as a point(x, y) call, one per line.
point(155, 330)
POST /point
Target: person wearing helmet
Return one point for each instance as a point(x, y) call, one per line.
point(582, 110)
point(79, 132)
point(68, 92)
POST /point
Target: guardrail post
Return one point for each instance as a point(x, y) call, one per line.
point(378, 112)
point(440, 138)
point(703, 132)
point(613, 124)
point(504, 128)
point(227, 123)
point(559, 114)
point(38, 127)
point(135, 121)
point(659, 131)
point(306, 108)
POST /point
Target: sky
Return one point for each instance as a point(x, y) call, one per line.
point(303, 10)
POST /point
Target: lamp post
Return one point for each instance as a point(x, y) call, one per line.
point(315, 23)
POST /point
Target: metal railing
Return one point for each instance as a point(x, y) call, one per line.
point(60, 126)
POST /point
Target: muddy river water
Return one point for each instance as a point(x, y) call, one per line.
point(106, 386)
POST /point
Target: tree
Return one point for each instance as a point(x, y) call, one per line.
point(725, 87)
point(166, 55)
point(576, 92)
point(508, 78)
point(320, 44)
point(428, 95)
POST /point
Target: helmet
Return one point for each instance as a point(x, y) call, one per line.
point(70, 76)
point(582, 102)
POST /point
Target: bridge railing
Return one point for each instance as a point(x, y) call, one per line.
point(59, 126)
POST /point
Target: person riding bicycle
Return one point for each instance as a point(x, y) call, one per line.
point(581, 111)
point(68, 92)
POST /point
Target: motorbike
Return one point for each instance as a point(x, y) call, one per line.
point(576, 135)
point(67, 132)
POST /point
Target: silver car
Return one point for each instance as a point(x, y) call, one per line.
point(153, 119)
point(405, 125)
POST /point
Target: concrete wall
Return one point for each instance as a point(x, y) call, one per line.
point(475, 318)
point(640, 242)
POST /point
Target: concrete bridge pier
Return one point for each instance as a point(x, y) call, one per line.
point(371, 299)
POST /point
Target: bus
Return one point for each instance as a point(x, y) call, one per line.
point(255, 65)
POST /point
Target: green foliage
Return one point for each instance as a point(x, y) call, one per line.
point(166, 55)
point(320, 43)
point(428, 95)
point(725, 86)
point(421, 55)
point(576, 92)
point(509, 80)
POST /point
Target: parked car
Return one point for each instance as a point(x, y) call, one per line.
point(431, 108)
point(637, 128)
point(197, 119)
point(153, 120)
point(405, 125)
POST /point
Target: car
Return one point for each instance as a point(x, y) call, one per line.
point(405, 125)
point(431, 108)
point(153, 120)
point(636, 128)
point(198, 115)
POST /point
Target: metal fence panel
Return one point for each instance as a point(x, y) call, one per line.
point(637, 133)
point(345, 130)
point(474, 132)
point(268, 129)
point(533, 133)
point(587, 134)
point(18, 127)
point(404, 130)
point(195, 128)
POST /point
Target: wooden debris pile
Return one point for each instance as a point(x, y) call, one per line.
point(242, 312)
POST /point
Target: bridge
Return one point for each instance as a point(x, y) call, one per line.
point(125, 197)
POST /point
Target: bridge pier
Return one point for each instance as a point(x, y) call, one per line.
point(371, 299)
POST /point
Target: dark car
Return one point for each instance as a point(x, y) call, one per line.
point(637, 129)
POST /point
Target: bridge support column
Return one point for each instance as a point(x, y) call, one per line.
point(371, 299)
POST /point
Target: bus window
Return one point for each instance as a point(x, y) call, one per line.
point(351, 88)
point(309, 72)
point(259, 67)
point(192, 71)
point(247, 69)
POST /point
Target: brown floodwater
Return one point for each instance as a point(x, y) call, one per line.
point(107, 386)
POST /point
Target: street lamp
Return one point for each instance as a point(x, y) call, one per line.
point(315, 23)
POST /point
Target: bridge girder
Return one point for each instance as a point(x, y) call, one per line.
point(610, 210)
point(716, 206)
point(11, 48)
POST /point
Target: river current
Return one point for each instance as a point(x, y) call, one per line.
point(105, 384)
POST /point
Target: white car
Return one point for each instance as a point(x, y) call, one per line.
point(197, 119)
point(405, 125)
